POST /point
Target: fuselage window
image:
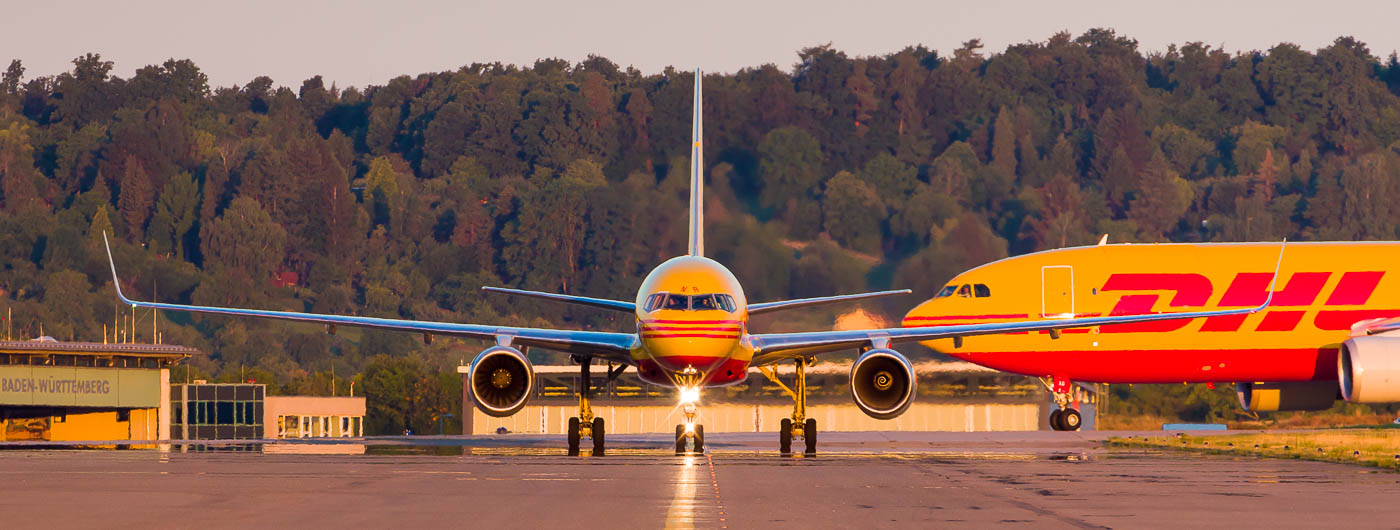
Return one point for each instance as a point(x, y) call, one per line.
point(965, 291)
point(981, 290)
point(947, 291)
point(677, 301)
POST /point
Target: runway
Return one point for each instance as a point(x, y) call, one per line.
point(880, 480)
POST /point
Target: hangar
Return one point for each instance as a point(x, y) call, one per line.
point(79, 391)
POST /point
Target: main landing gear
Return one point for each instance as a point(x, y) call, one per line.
point(690, 432)
point(799, 425)
point(585, 425)
point(1064, 417)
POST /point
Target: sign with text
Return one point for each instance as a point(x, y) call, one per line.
point(75, 386)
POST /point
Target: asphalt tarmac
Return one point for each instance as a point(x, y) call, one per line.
point(860, 480)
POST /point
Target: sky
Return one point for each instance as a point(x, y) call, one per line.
point(359, 43)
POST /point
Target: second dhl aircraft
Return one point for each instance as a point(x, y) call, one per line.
point(1324, 336)
point(692, 333)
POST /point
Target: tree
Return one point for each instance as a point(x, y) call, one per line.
point(1164, 198)
point(790, 166)
point(14, 75)
point(136, 198)
point(851, 212)
point(17, 168)
point(175, 215)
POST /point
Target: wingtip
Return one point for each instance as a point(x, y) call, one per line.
point(116, 283)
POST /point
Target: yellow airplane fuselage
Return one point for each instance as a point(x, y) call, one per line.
point(699, 337)
point(1322, 290)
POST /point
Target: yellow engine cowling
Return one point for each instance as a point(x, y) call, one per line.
point(1275, 397)
point(1368, 369)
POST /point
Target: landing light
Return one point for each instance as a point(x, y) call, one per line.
point(690, 395)
point(690, 428)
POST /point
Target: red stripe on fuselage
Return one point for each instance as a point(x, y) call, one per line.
point(689, 328)
point(691, 322)
point(1167, 366)
point(647, 335)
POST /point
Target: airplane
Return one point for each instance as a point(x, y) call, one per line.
point(1332, 332)
point(691, 334)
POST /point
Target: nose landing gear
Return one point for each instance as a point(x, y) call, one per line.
point(1064, 417)
point(585, 425)
point(688, 382)
point(799, 426)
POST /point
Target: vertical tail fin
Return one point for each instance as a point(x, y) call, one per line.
point(697, 177)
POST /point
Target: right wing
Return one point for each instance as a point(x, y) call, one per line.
point(615, 305)
point(604, 345)
point(765, 307)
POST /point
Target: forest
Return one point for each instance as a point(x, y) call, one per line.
point(836, 174)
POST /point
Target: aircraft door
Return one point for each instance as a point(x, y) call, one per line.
point(1057, 291)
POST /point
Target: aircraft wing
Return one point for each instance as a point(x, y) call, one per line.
point(773, 347)
point(615, 305)
point(755, 309)
point(614, 347)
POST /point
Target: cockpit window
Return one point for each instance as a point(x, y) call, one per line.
point(703, 302)
point(700, 302)
point(654, 302)
point(965, 291)
point(947, 291)
point(981, 290)
point(677, 301)
point(726, 302)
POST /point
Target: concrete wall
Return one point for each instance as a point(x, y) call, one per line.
point(765, 418)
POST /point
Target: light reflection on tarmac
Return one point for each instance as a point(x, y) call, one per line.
point(860, 480)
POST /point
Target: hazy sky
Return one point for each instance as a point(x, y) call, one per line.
point(368, 42)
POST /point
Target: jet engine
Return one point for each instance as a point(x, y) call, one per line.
point(882, 383)
point(1368, 369)
point(502, 380)
point(1274, 397)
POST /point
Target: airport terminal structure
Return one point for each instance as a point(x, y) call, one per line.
point(53, 391)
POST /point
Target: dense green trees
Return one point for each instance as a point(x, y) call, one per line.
point(847, 173)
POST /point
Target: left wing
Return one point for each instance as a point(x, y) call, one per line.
point(614, 347)
point(773, 347)
point(602, 303)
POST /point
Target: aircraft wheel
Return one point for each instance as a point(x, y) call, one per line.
point(1055, 419)
point(597, 436)
point(1070, 420)
point(680, 439)
point(699, 438)
point(573, 436)
point(809, 435)
point(785, 436)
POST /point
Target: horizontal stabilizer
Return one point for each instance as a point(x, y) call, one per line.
point(806, 302)
point(615, 305)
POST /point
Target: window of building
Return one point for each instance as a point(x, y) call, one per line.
point(981, 291)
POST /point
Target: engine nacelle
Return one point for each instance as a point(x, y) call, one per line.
point(1368, 369)
point(502, 380)
point(882, 383)
point(1274, 397)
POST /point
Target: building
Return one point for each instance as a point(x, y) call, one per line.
point(244, 411)
point(84, 391)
